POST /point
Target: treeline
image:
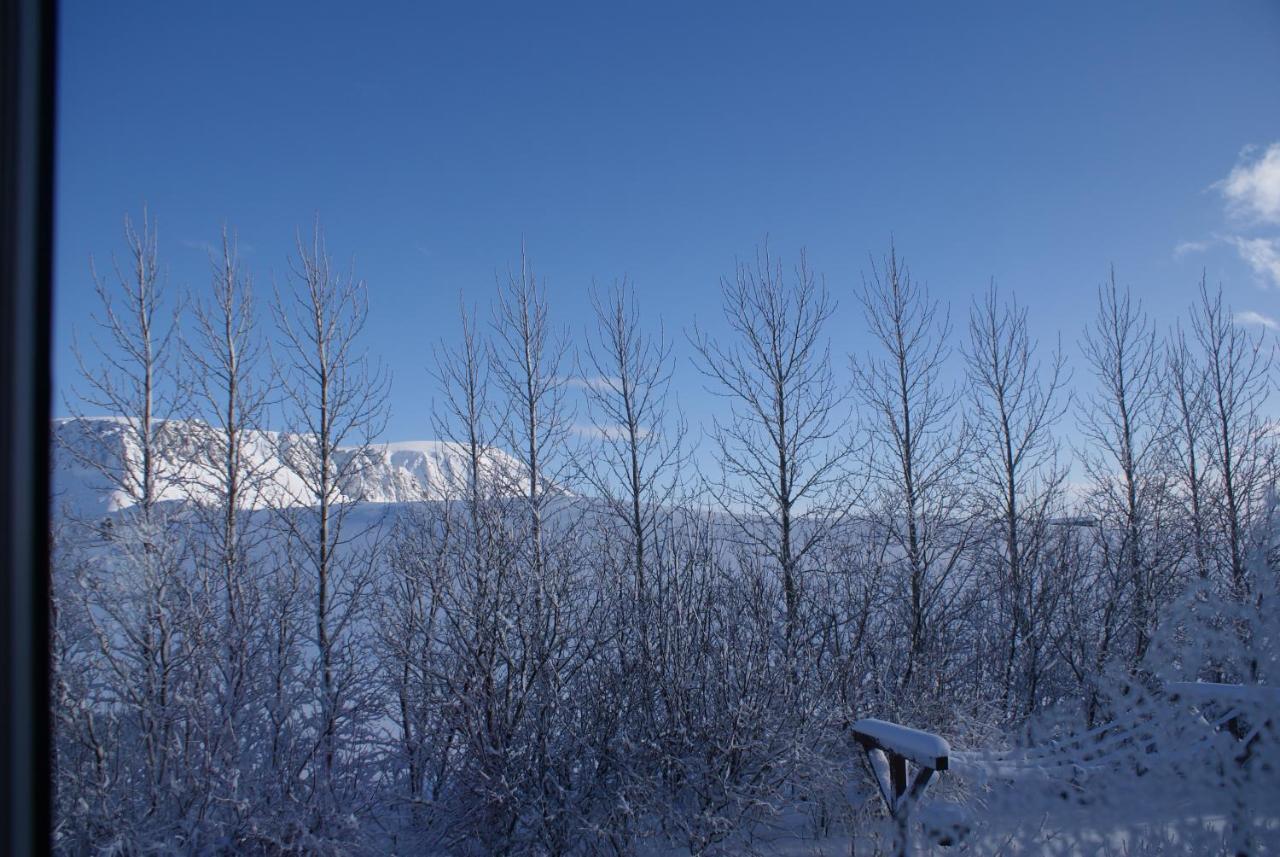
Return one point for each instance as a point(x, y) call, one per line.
point(607, 645)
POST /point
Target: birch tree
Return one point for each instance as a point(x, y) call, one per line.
point(132, 601)
point(1236, 365)
point(232, 474)
point(1127, 427)
point(1187, 393)
point(132, 370)
point(554, 637)
point(1014, 402)
point(784, 448)
point(634, 465)
point(917, 452)
point(335, 401)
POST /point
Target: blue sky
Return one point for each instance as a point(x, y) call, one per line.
point(1033, 143)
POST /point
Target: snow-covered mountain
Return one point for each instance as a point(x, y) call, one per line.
point(421, 470)
point(92, 456)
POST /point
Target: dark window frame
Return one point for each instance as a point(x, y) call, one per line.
point(27, 111)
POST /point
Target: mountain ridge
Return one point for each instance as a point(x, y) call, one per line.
point(94, 459)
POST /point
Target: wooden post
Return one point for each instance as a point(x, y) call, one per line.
point(898, 744)
point(898, 776)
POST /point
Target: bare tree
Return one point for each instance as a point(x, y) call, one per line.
point(441, 623)
point(1014, 403)
point(635, 465)
point(1187, 393)
point(527, 357)
point(134, 374)
point(784, 449)
point(553, 635)
point(336, 403)
point(1236, 367)
point(131, 600)
point(227, 355)
point(418, 666)
point(475, 660)
point(918, 447)
point(462, 374)
point(232, 473)
point(1126, 424)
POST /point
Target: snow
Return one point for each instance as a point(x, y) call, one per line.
point(880, 766)
point(923, 748)
point(91, 455)
point(423, 470)
point(1207, 691)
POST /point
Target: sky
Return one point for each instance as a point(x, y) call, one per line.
point(1030, 143)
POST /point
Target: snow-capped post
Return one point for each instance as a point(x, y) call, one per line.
point(889, 747)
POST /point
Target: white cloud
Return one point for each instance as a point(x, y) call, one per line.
point(208, 248)
point(1252, 188)
point(1251, 192)
point(1262, 255)
point(606, 432)
point(1188, 247)
point(1256, 318)
point(593, 382)
point(203, 246)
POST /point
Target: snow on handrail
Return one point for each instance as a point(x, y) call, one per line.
point(923, 748)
